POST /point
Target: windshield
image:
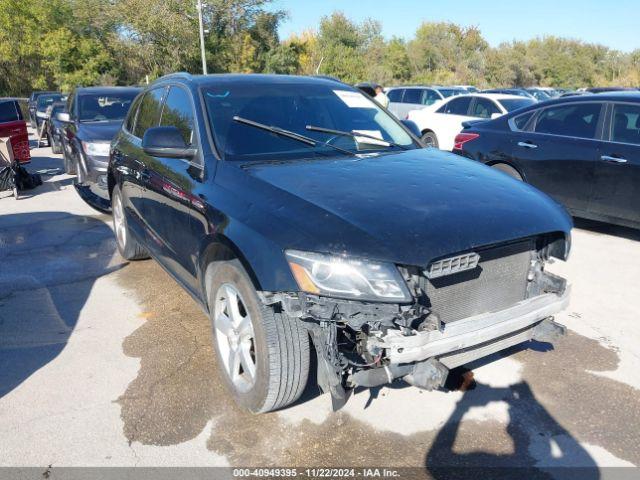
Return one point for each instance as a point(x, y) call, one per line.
point(512, 104)
point(57, 109)
point(103, 107)
point(294, 107)
point(45, 100)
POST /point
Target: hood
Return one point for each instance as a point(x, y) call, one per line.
point(409, 208)
point(99, 131)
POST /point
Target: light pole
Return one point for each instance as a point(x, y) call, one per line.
point(202, 52)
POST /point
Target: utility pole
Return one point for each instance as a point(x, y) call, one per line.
point(204, 57)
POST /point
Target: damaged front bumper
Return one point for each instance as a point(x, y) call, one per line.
point(466, 340)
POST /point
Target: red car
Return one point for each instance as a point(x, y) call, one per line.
point(14, 126)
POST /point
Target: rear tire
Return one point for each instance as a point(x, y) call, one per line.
point(128, 246)
point(508, 169)
point(430, 139)
point(278, 347)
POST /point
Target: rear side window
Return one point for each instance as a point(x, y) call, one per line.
point(412, 95)
point(626, 124)
point(130, 121)
point(149, 111)
point(457, 106)
point(520, 122)
point(430, 97)
point(484, 108)
point(395, 95)
point(9, 112)
point(178, 113)
point(572, 120)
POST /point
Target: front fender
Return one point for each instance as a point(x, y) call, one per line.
point(263, 259)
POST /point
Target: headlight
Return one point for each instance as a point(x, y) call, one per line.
point(349, 278)
point(96, 149)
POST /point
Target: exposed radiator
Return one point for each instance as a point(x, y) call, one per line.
point(498, 282)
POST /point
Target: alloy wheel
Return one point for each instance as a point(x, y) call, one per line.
point(235, 337)
point(119, 223)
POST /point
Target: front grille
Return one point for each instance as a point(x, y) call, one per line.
point(498, 282)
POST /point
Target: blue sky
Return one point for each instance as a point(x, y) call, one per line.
point(614, 23)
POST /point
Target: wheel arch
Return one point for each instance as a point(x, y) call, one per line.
point(493, 163)
point(265, 270)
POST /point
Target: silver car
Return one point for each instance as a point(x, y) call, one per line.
point(404, 99)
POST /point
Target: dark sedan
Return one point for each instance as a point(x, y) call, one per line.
point(295, 207)
point(94, 115)
point(32, 105)
point(55, 128)
point(43, 103)
point(584, 151)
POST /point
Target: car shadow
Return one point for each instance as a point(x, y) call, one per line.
point(607, 229)
point(50, 262)
point(541, 447)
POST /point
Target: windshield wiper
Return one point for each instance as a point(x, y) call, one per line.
point(353, 134)
point(289, 134)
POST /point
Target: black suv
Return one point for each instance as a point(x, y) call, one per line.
point(295, 208)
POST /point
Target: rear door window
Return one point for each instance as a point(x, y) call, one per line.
point(9, 112)
point(570, 120)
point(412, 95)
point(149, 111)
point(457, 106)
point(178, 113)
point(430, 97)
point(395, 95)
point(484, 108)
point(625, 126)
point(130, 121)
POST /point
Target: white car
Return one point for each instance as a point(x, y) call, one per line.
point(404, 99)
point(440, 123)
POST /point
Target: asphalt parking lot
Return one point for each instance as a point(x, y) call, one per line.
point(109, 363)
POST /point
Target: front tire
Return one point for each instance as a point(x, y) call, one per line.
point(263, 354)
point(430, 139)
point(128, 246)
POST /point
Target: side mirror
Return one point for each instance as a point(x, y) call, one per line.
point(63, 117)
point(412, 127)
point(495, 115)
point(166, 142)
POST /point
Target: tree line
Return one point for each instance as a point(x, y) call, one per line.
point(59, 44)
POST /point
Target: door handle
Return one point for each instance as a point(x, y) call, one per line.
point(527, 145)
point(610, 159)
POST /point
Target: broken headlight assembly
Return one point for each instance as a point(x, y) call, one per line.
point(348, 278)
